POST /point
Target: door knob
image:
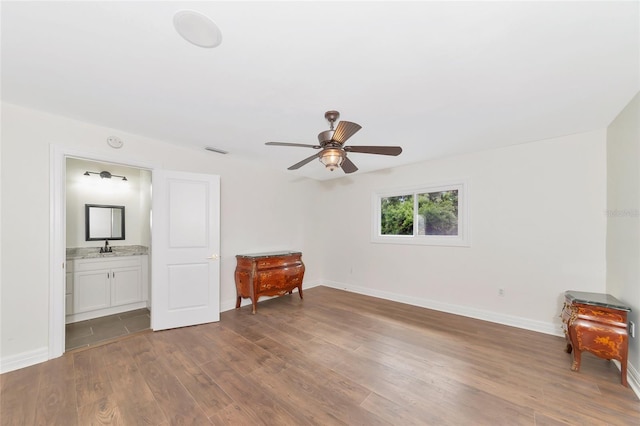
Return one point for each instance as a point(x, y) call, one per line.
point(213, 257)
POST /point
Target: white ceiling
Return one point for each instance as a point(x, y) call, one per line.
point(437, 78)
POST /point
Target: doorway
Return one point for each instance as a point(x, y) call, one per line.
point(185, 290)
point(58, 236)
point(107, 267)
point(108, 236)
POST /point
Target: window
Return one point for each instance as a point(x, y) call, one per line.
point(429, 215)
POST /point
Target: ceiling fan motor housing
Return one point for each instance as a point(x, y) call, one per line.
point(325, 137)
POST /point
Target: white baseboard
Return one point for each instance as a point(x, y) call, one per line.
point(83, 316)
point(633, 377)
point(24, 359)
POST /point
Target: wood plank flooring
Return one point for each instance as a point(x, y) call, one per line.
point(336, 358)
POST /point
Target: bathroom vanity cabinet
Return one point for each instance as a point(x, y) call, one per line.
point(105, 285)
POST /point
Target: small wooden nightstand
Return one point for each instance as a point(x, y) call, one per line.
point(596, 323)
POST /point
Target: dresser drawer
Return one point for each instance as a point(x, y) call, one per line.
point(277, 262)
point(602, 315)
point(279, 279)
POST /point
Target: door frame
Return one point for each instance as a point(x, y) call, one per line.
point(58, 238)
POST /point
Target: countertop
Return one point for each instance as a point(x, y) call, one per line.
point(94, 252)
point(268, 254)
point(596, 299)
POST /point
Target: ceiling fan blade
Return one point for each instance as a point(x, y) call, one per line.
point(293, 144)
point(345, 130)
point(382, 150)
point(303, 162)
point(348, 166)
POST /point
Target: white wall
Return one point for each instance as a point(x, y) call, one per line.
point(623, 227)
point(260, 210)
point(134, 194)
point(537, 229)
point(537, 222)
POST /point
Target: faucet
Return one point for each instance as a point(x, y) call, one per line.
point(106, 248)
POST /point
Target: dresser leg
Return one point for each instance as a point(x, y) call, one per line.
point(238, 302)
point(576, 360)
point(300, 291)
point(254, 304)
point(568, 348)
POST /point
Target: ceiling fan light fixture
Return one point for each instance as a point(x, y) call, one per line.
point(332, 158)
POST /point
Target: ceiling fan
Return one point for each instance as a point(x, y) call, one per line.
point(333, 153)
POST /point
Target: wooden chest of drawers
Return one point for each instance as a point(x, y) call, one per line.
point(596, 323)
point(268, 274)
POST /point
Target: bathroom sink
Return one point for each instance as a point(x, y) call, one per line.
point(112, 253)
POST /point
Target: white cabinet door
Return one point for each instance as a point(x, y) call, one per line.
point(126, 286)
point(91, 290)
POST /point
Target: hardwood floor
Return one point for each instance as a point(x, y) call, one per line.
point(334, 358)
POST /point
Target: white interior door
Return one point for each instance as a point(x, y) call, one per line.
point(185, 234)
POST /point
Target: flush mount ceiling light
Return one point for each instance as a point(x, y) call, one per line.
point(104, 175)
point(197, 28)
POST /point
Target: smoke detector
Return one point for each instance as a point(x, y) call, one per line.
point(114, 142)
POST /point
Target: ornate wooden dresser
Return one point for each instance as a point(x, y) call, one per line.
point(596, 323)
point(268, 274)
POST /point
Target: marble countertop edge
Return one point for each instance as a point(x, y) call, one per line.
point(94, 252)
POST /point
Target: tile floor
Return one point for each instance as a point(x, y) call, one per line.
point(97, 330)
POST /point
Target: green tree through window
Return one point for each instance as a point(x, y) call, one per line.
point(438, 213)
point(397, 215)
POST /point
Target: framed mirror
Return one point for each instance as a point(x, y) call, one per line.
point(103, 222)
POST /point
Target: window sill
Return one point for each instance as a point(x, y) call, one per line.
point(423, 241)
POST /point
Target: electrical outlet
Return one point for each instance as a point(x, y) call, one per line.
point(501, 292)
point(632, 329)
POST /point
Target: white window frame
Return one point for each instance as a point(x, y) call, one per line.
point(463, 239)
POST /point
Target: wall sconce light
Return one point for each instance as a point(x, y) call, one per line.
point(332, 158)
point(104, 175)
